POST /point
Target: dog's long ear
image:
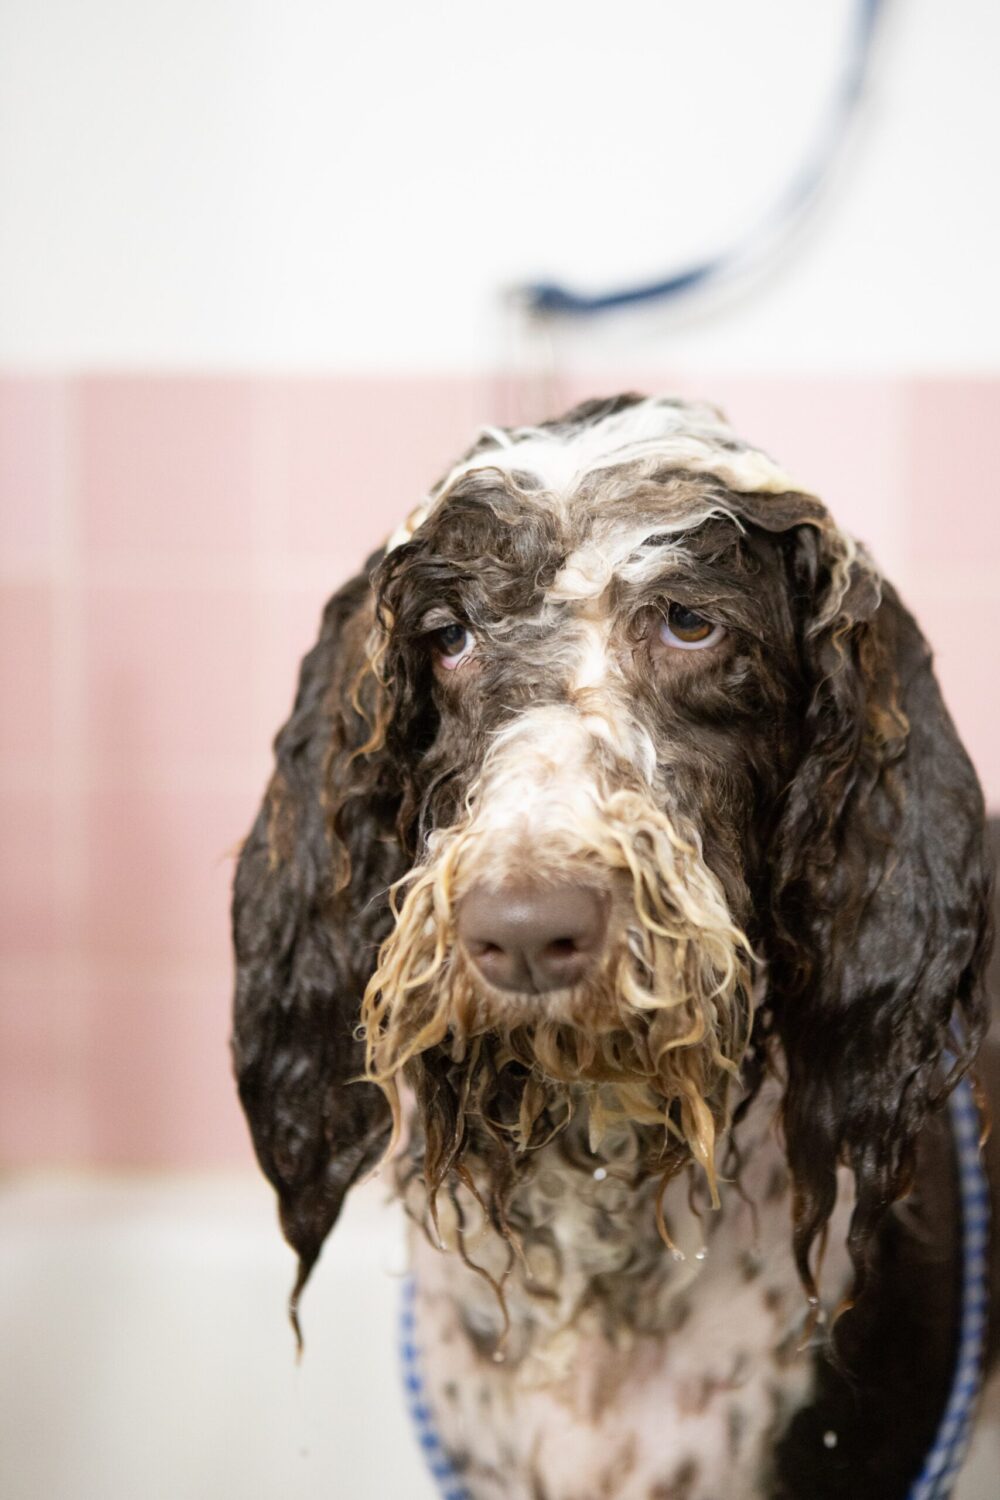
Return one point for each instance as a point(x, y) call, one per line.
point(309, 911)
point(881, 896)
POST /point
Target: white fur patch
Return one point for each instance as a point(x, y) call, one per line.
point(622, 551)
point(538, 774)
point(685, 435)
point(691, 435)
point(592, 662)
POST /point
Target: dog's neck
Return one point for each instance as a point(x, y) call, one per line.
point(587, 1266)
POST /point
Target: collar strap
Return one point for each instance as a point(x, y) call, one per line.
point(415, 1391)
point(951, 1441)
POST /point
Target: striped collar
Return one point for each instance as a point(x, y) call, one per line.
point(951, 1442)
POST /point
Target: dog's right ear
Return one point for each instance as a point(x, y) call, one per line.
point(310, 910)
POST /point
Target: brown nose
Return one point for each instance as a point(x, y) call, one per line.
point(533, 937)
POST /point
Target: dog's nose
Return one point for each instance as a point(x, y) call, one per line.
point(533, 937)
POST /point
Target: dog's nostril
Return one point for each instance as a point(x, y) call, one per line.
point(533, 938)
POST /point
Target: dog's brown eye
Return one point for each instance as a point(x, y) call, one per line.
point(686, 630)
point(452, 643)
point(688, 624)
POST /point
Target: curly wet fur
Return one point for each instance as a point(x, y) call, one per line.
point(814, 770)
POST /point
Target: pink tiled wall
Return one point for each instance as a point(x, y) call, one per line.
point(165, 548)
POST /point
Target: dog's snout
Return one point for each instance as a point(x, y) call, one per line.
point(533, 937)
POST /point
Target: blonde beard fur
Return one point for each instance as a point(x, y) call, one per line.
point(654, 1040)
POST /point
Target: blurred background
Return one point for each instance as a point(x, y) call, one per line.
point(256, 264)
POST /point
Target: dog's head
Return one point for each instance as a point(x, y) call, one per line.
point(620, 733)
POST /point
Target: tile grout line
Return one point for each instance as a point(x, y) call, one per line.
point(135, 570)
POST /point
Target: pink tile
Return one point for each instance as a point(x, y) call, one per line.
point(951, 473)
point(30, 464)
point(160, 1086)
point(44, 1104)
point(581, 384)
point(159, 870)
point(840, 438)
point(290, 627)
point(169, 676)
point(961, 629)
point(361, 453)
point(167, 465)
point(28, 872)
point(117, 1072)
point(26, 724)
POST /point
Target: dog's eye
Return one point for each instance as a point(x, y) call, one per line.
point(453, 643)
point(687, 630)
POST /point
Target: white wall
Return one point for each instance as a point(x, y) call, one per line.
point(302, 183)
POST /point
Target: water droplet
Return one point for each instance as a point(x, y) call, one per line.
point(829, 1440)
point(498, 1356)
point(678, 1255)
point(600, 1173)
point(701, 1254)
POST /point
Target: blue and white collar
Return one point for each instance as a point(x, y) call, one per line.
point(951, 1442)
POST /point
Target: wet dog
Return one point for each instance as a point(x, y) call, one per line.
point(622, 878)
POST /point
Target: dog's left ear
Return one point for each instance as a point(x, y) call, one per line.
point(881, 895)
point(310, 908)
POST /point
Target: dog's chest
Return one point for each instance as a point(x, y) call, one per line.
point(626, 1373)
